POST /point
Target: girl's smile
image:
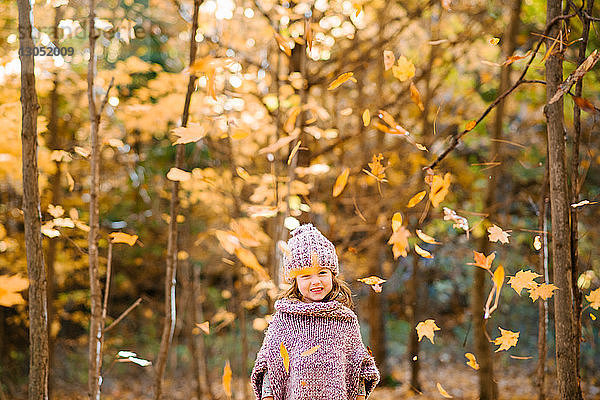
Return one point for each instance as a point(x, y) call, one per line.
point(315, 286)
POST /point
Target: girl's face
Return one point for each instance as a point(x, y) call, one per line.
point(314, 287)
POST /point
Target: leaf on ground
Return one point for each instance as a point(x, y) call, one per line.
point(426, 328)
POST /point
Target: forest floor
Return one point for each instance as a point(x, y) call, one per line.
point(459, 381)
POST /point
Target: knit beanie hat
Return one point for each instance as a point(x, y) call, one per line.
point(306, 240)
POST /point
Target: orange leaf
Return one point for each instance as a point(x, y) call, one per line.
point(443, 391)
point(293, 152)
point(426, 238)
point(416, 199)
point(472, 361)
point(399, 239)
point(339, 80)
point(422, 253)
point(283, 44)
point(396, 221)
point(120, 237)
point(543, 291)
point(523, 280)
point(426, 328)
point(507, 339)
point(340, 182)
point(9, 288)
point(227, 378)
point(482, 261)
point(594, 299)
point(584, 104)
point(416, 96)
point(285, 356)
point(366, 117)
point(470, 125)
point(310, 351)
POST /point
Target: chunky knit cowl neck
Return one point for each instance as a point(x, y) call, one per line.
point(333, 371)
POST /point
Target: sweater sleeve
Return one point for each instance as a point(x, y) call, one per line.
point(260, 366)
point(365, 363)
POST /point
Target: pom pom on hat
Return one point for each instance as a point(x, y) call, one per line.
point(306, 240)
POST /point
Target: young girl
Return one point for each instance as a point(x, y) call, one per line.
point(313, 348)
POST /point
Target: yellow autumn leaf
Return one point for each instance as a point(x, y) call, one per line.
point(472, 361)
point(371, 280)
point(227, 240)
point(594, 299)
point(239, 133)
point(55, 211)
point(283, 44)
point(242, 173)
point(426, 238)
point(121, 237)
point(388, 59)
point(227, 378)
point(340, 182)
point(423, 253)
point(204, 326)
point(543, 291)
point(523, 280)
point(310, 351)
point(499, 281)
point(416, 199)
point(396, 221)
point(494, 41)
point(249, 260)
point(366, 117)
point(506, 340)
point(404, 69)
point(427, 328)
point(482, 261)
point(290, 123)
point(470, 125)
point(439, 188)
point(179, 175)
point(9, 288)
point(497, 234)
point(443, 391)
point(399, 240)
point(537, 244)
point(285, 356)
point(293, 152)
point(340, 80)
point(377, 169)
point(415, 96)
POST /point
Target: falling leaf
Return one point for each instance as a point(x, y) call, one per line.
point(388, 59)
point(459, 221)
point(416, 199)
point(494, 41)
point(520, 358)
point(283, 44)
point(584, 104)
point(543, 291)
point(285, 356)
point(290, 123)
point(339, 80)
point(421, 252)
point(121, 237)
point(594, 298)
point(249, 260)
point(310, 351)
point(179, 175)
point(377, 169)
point(85, 153)
point(228, 241)
point(537, 244)
point(426, 238)
point(242, 173)
point(523, 280)
point(70, 181)
point(280, 143)
point(404, 69)
point(396, 221)
point(308, 34)
point(415, 96)
point(366, 117)
point(227, 378)
point(293, 152)
point(204, 326)
point(55, 211)
point(60, 155)
point(499, 281)
point(399, 239)
point(426, 328)
point(583, 203)
point(443, 391)
point(371, 280)
point(593, 317)
point(340, 182)
point(9, 288)
point(470, 125)
point(439, 189)
point(507, 339)
point(395, 128)
point(497, 234)
point(211, 84)
point(482, 261)
point(48, 230)
point(472, 361)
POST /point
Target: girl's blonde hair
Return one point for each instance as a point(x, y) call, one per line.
point(340, 291)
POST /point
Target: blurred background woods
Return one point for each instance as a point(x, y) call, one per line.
point(273, 131)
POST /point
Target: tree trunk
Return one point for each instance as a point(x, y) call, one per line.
point(543, 305)
point(566, 345)
point(171, 271)
point(413, 315)
point(95, 334)
point(38, 315)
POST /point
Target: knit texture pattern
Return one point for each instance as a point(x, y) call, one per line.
point(305, 240)
point(333, 372)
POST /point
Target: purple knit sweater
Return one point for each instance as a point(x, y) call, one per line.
point(332, 372)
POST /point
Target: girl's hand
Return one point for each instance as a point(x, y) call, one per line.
point(271, 398)
point(360, 397)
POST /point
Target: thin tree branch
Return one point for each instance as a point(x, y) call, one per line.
point(123, 315)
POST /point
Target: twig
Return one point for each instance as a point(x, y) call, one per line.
point(123, 315)
point(105, 99)
point(455, 138)
point(107, 286)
